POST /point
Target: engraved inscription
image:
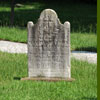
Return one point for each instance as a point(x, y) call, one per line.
point(47, 42)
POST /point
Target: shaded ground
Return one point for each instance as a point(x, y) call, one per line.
point(83, 17)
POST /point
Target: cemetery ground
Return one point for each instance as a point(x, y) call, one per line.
point(14, 66)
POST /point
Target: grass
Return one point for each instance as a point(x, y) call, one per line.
point(84, 42)
point(79, 41)
point(13, 34)
point(14, 66)
point(83, 17)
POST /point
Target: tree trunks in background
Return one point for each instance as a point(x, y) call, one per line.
point(12, 13)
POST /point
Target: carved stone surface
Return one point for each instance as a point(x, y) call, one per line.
point(49, 47)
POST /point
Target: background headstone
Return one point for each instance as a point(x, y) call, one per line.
point(49, 47)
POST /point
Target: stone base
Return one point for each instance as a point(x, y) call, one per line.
point(48, 79)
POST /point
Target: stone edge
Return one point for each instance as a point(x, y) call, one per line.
point(47, 79)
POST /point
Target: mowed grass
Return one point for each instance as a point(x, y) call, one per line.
point(79, 41)
point(15, 34)
point(14, 66)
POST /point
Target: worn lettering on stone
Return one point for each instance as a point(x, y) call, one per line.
point(49, 47)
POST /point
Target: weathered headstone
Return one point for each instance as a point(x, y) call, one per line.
point(49, 47)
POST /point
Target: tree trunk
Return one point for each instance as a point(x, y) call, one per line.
point(12, 13)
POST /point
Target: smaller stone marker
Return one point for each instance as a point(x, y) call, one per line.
point(49, 48)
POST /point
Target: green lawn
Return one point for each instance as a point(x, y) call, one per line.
point(14, 66)
point(79, 41)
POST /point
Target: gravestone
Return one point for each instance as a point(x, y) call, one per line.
point(49, 48)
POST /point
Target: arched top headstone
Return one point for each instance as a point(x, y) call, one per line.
point(49, 46)
point(48, 14)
